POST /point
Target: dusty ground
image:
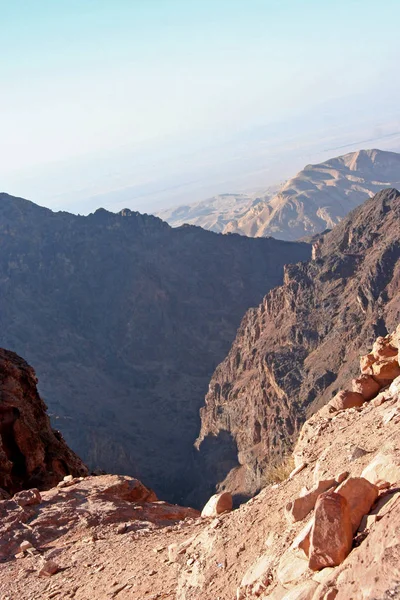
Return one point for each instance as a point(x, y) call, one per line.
point(98, 562)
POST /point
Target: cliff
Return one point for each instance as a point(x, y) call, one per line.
point(294, 351)
point(32, 454)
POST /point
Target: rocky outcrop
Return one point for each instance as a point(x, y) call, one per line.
point(32, 454)
point(302, 345)
point(125, 320)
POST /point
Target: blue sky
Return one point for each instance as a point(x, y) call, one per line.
point(83, 77)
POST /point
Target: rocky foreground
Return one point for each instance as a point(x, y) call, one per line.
point(329, 529)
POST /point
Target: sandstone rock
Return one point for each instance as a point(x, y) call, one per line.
point(217, 504)
point(345, 399)
point(360, 495)
point(303, 591)
point(28, 497)
point(382, 348)
point(384, 467)
point(290, 568)
point(366, 386)
point(48, 568)
point(331, 535)
point(68, 478)
point(386, 369)
point(300, 507)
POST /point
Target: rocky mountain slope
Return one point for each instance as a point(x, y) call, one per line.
point(329, 529)
point(31, 453)
point(319, 196)
point(125, 319)
point(294, 351)
point(315, 199)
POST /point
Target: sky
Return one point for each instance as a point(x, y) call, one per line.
point(103, 97)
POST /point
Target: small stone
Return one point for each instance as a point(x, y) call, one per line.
point(190, 561)
point(68, 478)
point(356, 452)
point(122, 528)
point(48, 568)
point(25, 545)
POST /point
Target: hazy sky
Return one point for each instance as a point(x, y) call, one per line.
point(81, 78)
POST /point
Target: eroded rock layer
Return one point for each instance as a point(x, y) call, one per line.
point(293, 352)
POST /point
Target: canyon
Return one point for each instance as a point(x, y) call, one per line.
point(125, 320)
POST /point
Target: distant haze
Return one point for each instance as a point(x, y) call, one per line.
point(153, 104)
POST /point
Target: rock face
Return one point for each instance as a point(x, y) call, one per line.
point(32, 454)
point(302, 345)
point(320, 196)
point(125, 320)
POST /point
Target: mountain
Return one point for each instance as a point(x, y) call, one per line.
point(302, 343)
point(125, 320)
point(320, 196)
point(213, 214)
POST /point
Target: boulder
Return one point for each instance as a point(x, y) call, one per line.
point(360, 495)
point(332, 534)
point(345, 399)
point(386, 369)
point(366, 386)
point(384, 467)
point(217, 504)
